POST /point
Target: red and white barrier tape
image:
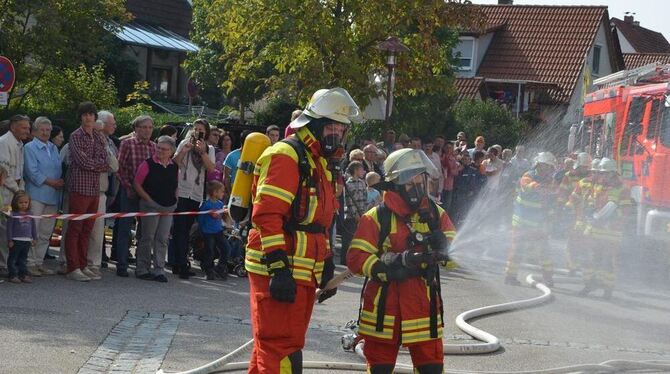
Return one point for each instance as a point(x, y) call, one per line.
point(83, 216)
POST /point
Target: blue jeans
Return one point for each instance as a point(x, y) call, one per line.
point(123, 225)
point(17, 259)
point(215, 244)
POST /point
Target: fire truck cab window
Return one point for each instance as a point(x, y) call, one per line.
point(665, 127)
point(633, 125)
point(654, 118)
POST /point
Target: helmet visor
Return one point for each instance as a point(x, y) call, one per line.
point(409, 166)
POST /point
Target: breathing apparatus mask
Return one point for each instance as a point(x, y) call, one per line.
point(332, 145)
point(402, 166)
point(328, 106)
point(415, 194)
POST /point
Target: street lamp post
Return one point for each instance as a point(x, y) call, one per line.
point(392, 46)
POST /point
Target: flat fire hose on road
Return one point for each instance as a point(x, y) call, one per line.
point(489, 344)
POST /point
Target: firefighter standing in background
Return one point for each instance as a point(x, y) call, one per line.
point(571, 180)
point(397, 246)
point(577, 242)
point(607, 207)
point(535, 196)
point(288, 252)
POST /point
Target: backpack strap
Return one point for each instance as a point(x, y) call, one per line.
point(384, 219)
point(305, 178)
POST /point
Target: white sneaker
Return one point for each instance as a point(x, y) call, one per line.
point(91, 274)
point(34, 271)
point(77, 275)
point(95, 271)
point(46, 271)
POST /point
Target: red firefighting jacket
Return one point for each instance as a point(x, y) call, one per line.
point(568, 184)
point(612, 228)
point(407, 308)
point(275, 186)
point(577, 200)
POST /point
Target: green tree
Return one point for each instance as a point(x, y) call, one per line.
point(297, 46)
point(208, 67)
point(488, 118)
point(61, 90)
point(39, 35)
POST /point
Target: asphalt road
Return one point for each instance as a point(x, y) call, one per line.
point(129, 325)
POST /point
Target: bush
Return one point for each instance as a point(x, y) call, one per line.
point(488, 118)
point(60, 91)
point(276, 112)
point(124, 117)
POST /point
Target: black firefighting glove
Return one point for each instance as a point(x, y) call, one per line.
point(415, 260)
point(327, 276)
point(282, 284)
point(386, 273)
point(438, 241)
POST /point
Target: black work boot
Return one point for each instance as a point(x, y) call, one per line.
point(296, 362)
point(430, 369)
point(548, 278)
point(381, 369)
point(512, 281)
point(588, 288)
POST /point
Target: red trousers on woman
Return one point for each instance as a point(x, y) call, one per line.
point(78, 232)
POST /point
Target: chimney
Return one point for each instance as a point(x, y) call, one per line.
point(629, 17)
point(505, 2)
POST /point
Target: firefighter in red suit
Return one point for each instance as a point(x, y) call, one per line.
point(288, 252)
point(398, 246)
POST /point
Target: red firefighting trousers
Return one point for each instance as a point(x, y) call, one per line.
point(278, 328)
point(382, 353)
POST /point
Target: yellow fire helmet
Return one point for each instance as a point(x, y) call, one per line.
point(333, 103)
point(404, 164)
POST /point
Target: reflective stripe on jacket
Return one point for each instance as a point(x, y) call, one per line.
point(407, 308)
point(275, 185)
point(612, 228)
point(531, 206)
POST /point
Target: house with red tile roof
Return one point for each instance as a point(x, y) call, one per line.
point(640, 46)
point(537, 58)
point(634, 38)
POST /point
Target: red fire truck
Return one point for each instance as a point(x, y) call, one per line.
point(628, 119)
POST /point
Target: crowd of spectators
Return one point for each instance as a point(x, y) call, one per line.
point(96, 172)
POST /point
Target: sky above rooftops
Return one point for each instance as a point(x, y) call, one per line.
point(652, 14)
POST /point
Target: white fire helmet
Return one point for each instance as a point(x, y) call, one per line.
point(595, 164)
point(404, 164)
point(607, 165)
point(544, 158)
point(583, 159)
point(333, 103)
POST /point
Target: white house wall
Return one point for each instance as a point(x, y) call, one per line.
point(626, 47)
point(574, 110)
point(483, 43)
